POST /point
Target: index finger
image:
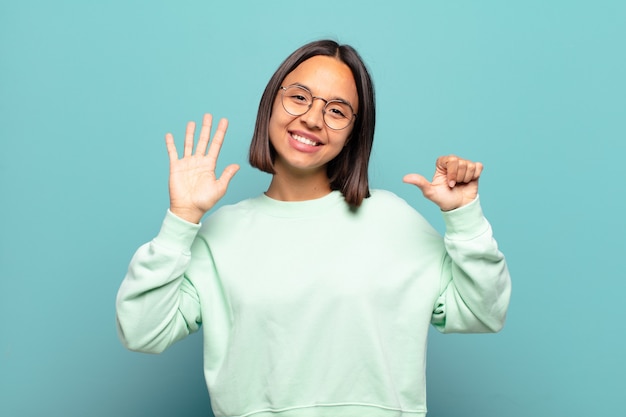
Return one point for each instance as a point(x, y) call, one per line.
point(450, 165)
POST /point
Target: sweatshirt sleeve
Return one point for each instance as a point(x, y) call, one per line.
point(156, 304)
point(476, 286)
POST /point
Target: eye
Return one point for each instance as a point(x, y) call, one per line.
point(299, 98)
point(338, 110)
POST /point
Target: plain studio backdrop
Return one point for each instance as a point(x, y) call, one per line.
point(534, 89)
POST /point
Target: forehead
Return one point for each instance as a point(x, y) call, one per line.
point(326, 77)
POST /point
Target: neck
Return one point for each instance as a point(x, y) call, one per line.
point(293, 187)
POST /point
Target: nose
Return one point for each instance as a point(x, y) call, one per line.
point(314, 117)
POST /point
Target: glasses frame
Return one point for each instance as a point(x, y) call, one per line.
point(327, 102)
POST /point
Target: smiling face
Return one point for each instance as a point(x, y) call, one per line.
point(305, 144)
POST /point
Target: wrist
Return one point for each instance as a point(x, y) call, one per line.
point(189, 215)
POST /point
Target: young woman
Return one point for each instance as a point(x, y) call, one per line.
point(315, 296)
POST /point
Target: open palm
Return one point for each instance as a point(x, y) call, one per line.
point(194, 187)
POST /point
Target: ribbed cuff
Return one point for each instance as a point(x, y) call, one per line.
point(176, 233)
point(465, 222)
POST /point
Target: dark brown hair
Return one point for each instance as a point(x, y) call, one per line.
point(348, 171)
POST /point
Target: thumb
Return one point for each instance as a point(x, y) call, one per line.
point(417, 180)
point(228, 173)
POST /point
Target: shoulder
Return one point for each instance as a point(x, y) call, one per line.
point(228, 217)
point(388, 218)
point(236, 209)
point(386, 196)
point(387, 201)
point(387, 205)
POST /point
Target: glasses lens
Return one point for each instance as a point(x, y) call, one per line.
point(296, 100)
point(337, 114)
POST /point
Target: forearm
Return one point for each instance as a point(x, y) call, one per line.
point(477, 281)
point(156, 304)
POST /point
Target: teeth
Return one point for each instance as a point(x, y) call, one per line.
point(304, 140)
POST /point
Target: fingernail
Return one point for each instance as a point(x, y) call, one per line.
point(452, 184)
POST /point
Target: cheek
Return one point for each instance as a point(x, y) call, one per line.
point(275, 107)
point(272, 125)
point(340, 144)
point(347, 136)
point(277, 116)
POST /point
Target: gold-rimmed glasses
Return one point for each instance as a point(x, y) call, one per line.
point(297, 100)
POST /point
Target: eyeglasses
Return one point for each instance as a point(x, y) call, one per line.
point(297, 100)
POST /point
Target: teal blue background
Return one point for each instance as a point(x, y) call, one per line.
point(536, 90)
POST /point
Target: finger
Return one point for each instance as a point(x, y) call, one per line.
point(228, 173)
point(205, 134)
point(218, 139)
point(417, 180)
point(463, 168)
point(470, 172)
point(191, 128)
point(450, 165)
point(171, 147)
point(479, 170)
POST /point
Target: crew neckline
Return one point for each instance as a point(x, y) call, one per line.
point(305, 208)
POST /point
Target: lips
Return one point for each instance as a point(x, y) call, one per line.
point(305, 140)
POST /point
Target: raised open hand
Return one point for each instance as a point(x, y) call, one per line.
point(454, 184)
point(194, 187)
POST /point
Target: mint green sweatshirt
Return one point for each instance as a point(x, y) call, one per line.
point(310, 309)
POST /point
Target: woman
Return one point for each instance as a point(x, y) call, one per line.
point(315, 296)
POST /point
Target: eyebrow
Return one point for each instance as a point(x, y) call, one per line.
point(336, 98)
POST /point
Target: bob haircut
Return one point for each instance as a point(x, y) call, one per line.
point(348, 171)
